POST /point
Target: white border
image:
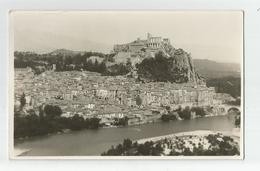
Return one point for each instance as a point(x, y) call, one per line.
point(251, 88)
point(11, 86)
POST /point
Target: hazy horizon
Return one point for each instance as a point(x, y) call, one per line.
point(216, 35)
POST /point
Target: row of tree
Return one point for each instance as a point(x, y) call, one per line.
point(28, 59)
point(49, 120)
point(184, 114)
point(78, 62)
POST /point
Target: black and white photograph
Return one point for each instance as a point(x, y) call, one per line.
point(126, 84)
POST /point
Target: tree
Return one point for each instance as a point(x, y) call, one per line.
point(199, 111)
point(168, 108)
point(156, 69)
point(138, 100)
point(41, 112)
point(102, 67)
point(77, 122)
point(93, 123)
point(121, 121)
point(96, 64)
point(31, 112)
point(230, 85)
point(22, 101)
point(185, 114)
point(129, 64)
point(127, 143)
point(237, 121)
point(52, 111)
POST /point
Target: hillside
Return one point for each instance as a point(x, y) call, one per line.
point(229, 85)
point(64, 52)
point(169, 66)
point(212, 69)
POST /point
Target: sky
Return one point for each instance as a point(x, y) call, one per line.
point(213, 35)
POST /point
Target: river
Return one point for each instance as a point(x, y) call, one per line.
point(94, 142)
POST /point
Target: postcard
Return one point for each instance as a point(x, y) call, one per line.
point(126, 84)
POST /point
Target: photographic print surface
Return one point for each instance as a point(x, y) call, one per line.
point(126, 84)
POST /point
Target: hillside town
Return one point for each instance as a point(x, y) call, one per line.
point(89, 95)
point(110, 97)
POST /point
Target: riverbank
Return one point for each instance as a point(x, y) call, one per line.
point(235, 134)
point(90, 142)
point(192, 143)
point(20, 152)
point(36, 127)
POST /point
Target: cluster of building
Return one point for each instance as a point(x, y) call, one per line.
point(150, 44)
point(138, 49)
point(107, 97)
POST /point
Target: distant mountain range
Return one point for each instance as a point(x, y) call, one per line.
point(212, 69)
point(48, 42)
point(65, 52)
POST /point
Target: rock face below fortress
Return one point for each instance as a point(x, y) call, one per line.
point(155, 59)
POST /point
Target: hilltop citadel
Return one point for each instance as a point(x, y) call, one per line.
point(150, 44)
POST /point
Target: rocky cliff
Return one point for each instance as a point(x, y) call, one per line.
point(168, 64)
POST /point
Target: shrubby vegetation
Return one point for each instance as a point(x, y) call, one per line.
point(199, 111)
point(51, 112)
point(49, 121)
point(41, 62)
point(168, 117)
point(22, 101)
point(156, 69)
point(229, 85)
point(172, 65)
point(129, 148)
point(161, 69)
point(219, 146)
point(121, 121)
point(184, 114)
point(117, 69)
point(29, 59)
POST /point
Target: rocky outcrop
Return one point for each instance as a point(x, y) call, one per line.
point(169, 64)
point(181, 66)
